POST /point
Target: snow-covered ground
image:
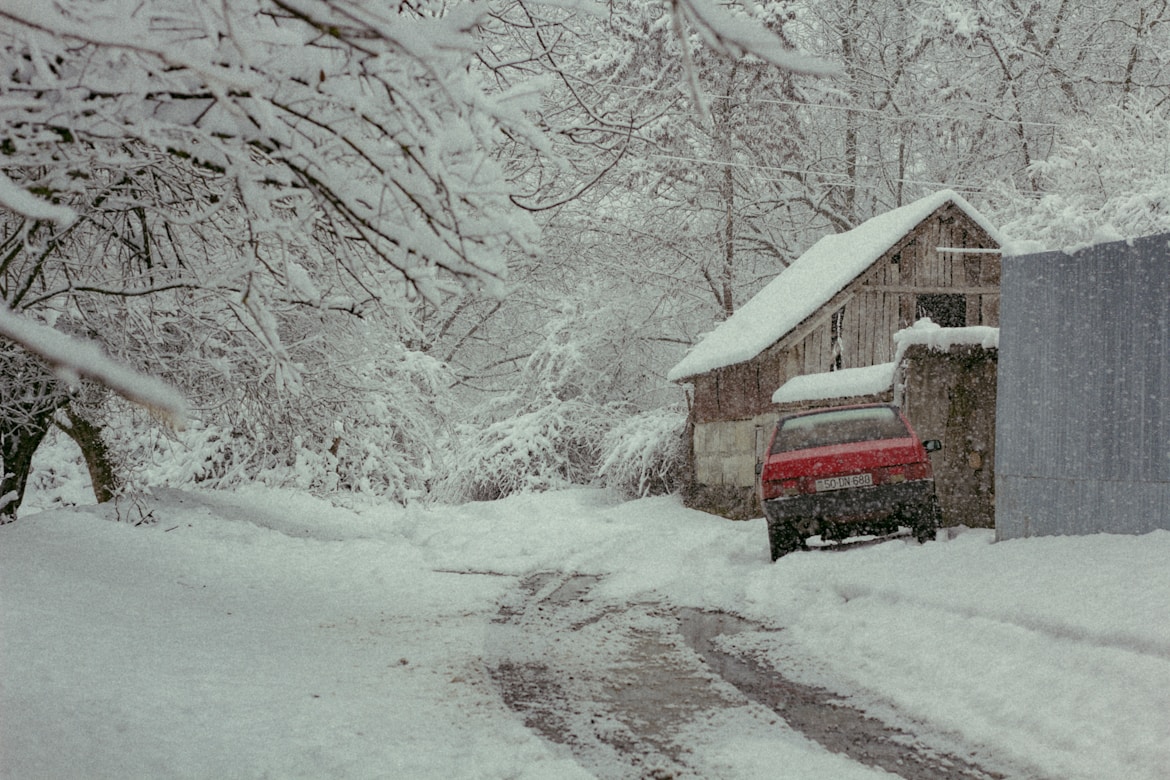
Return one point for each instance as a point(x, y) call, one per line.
point(263, 633)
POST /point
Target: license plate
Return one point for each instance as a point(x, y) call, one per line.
point(839, 483)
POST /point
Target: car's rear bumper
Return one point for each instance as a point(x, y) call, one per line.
point(911, 503)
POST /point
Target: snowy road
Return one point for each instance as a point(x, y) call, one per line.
point(619, 693)
point(624, 693)
point(269, 634)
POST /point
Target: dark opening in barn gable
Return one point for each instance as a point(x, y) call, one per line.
point(946, 309)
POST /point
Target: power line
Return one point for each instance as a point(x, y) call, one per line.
point(854, 109)
point(827, 176)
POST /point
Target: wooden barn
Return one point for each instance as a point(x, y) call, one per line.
point(835, 307)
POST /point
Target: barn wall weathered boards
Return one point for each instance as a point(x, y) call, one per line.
point(1083, 425)
point(837, 306)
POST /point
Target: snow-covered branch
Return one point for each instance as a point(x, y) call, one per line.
point(20, 201)
point(348, 109)
point(72, 358)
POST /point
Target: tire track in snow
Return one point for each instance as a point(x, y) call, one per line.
point(620, 706)
point(617, 683)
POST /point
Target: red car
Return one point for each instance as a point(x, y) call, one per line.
point(846, 471)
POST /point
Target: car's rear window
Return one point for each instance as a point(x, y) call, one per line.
point(839, 426)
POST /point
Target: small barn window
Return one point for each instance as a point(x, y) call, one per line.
point(947, 310)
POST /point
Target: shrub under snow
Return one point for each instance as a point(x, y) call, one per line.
point(645, 454)
point(554, 445)
point(547, 431)
point(372, 428)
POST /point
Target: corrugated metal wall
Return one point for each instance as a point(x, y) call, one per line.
point(1083, 411)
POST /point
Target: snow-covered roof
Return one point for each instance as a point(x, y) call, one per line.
point(844, 383)
point(810, 282)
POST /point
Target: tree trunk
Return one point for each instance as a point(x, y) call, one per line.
point(724, 128)
point(18, 444)
point(102, 471)
point(848, 56)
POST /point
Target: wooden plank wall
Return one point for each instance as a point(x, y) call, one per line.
point(740, 391)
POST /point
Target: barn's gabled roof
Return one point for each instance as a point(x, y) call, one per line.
point(810, 282)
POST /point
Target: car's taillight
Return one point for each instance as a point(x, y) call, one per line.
point(780, 488)
point(919, 470)
point(905, 472)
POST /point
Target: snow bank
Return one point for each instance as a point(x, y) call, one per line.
point(1054, 651)
point(812, 279)
point(253, 635)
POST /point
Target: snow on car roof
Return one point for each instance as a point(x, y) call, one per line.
point(809, 282)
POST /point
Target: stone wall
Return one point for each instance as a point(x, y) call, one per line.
point(726, 452)
point(950, 395)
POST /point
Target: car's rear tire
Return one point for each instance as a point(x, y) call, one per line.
point(783, 538)
point(928, 523)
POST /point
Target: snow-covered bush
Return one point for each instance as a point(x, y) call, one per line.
point(200, 454)
point(554, 445)
point(547, 432)
point(370, 427)
point(364, 416)
point(645, 454)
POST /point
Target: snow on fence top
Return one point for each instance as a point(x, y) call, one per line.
point(810, 282)
point(925, 332)
point(844, 383)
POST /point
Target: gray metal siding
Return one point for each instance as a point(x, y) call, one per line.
point(1083, 410)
